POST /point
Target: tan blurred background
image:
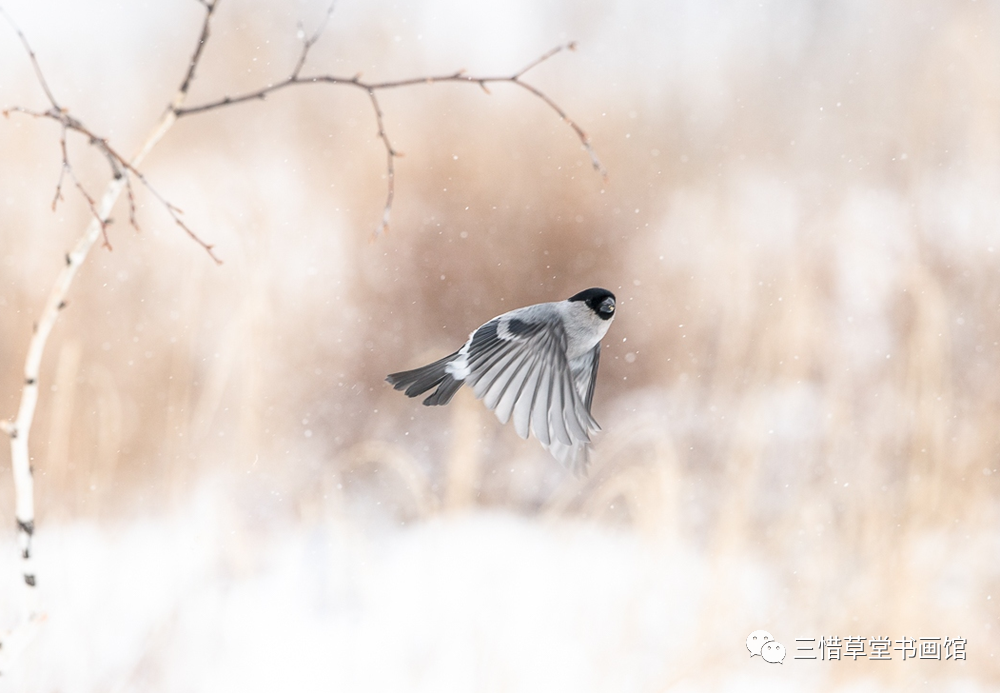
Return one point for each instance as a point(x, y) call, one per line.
point(801, 223)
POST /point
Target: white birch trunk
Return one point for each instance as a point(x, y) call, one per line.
point(19, 430)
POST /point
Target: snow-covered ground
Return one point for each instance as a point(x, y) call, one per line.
point(477, 601)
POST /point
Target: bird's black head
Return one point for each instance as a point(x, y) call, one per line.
point(601, 301)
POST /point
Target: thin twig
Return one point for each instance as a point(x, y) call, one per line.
point(370, 88)
point(130, 193)
point(584, 138)
point(102, 220)
point(571, 46)
point(210, 8)
point(67, 168)
point(356, 81)
point(34, 60)
point(175, 213)
point(308, 43)
point(120, 167)
point(62, 170)
point(390, 166)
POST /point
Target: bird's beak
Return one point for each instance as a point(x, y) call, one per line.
point(608, 305)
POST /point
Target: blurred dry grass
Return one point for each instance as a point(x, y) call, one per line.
point(802, 236)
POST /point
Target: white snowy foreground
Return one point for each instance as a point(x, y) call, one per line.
point(484, 601)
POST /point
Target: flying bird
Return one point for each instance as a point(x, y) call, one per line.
point(537, 365)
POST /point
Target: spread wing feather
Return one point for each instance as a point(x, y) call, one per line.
point(518, 368)
point(525, 399)
point(589, 378)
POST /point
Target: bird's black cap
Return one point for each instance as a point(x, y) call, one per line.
point(597, 300)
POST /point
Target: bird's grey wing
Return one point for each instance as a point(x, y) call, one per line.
point(517, 366)
point(586, 376)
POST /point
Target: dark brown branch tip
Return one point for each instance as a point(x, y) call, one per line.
point(202, 40)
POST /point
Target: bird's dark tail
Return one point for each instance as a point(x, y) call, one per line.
point(420, 380)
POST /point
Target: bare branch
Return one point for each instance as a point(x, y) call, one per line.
point(308, 43)
point(584, 139)
point(67, 168)
point(130, 192)
point(210, 8)
point(571, 46)
point(390, 166)
point(356, 81)
point(175, 213)
point(62, 170)
point(98, 217)
point(370, 88)
point(120, 167)
point(34, 60)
